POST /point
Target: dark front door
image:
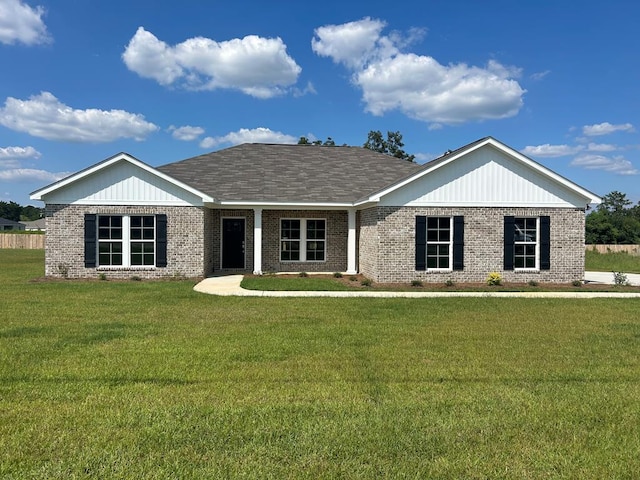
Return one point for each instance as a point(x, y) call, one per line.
point(233, 243)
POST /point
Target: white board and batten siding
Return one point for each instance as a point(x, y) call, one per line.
point(485, 177)
point(123, 183)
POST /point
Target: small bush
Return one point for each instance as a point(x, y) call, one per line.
point(136, 278)
point(494, 278)
point(416, 283)
point(449, 283)
point(533, 283)
point(63, 270)
point(102, 276)
point(365, 282)
point(353, 278)
point(337, 275)
point(577, 283)
point(620, 278)
point(303, 274)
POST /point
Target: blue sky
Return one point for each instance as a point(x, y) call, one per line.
point(82, 80)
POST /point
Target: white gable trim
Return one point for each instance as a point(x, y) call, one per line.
point(121, 157)
point(588, 196)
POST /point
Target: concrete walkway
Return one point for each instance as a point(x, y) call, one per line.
point(229, 285)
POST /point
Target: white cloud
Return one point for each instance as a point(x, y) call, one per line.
point(45, 116)
point(11, 153)
point(549, 151)
point(540, 75)
point(601, 147)
point(425, 90)
point(29, 175)
point(186, 133)
point(606, 128)
point(245, 135)
point(256, 66)
point(418, 85)
point(617, 165)
point(351, 44)
point(21, 23)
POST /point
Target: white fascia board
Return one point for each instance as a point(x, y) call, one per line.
point(38, 194)
point(588, 196)
point(285, 205)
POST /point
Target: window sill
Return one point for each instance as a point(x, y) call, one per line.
point(303, 261)
point(526, 270)
point(125, 269)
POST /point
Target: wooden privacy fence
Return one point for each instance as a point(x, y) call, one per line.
point(630, 249)
point(14, 240)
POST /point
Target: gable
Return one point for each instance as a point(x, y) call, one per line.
point(486, 176)
point(120, 181)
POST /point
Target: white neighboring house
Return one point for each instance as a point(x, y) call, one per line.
point(39, 225)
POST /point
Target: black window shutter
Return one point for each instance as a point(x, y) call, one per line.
point(509, 231)
point(458, 243)
point(161, 240)
point(545, 243)
point(90, 240)
point(421, 242)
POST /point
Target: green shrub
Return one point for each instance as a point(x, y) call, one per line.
point(337, 275)
point(416, 283)
point(494, 278)
point(449, 283)
point(303, 274)
point(577, 283)
point(620, 278)
point(365, 282)
point(533, 283)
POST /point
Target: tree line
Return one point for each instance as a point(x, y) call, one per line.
point(391, 145)
point(18, 213)
point(615, 221)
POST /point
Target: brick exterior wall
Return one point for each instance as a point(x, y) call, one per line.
point(387, 244)
point(336, 238)
point(64, 244)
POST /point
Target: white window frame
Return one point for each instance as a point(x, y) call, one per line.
point(439, 242)
point(303, 240)
point(126, 241)
point(524, 242)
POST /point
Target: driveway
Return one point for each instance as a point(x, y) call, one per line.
point(607, 277)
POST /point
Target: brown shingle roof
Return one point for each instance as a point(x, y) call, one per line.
point(290, 173)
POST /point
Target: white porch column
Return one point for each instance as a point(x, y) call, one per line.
point(351, 242)
point(257, 241)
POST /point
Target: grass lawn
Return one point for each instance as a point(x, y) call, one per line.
point(612, 262)
point(105, 379)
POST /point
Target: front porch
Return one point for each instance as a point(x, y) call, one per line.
point(256, 240)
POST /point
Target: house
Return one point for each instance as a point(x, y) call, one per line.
point(290, 208)
point(39, 225)
point(8, 225)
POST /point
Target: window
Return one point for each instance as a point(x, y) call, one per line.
point(439, 243)
point(126, 240)
point(525, 253)
point(303, 240)
point(527, 243)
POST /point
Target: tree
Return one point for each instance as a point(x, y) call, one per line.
point(10, 211)
point(614, 221)
point(327, 143)
point(30, 213)
point(391, 146)
point(615, 202)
